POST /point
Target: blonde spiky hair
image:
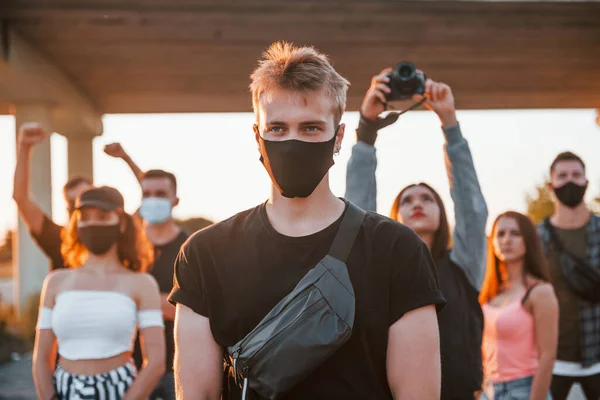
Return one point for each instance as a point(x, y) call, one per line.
point(289, 67)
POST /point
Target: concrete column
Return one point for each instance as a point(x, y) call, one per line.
point(81, 160)
point(31, 265)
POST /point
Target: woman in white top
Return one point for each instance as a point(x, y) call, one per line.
point(91, 310)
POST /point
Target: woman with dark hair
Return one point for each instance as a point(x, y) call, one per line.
point(91, 311)
point(461, 267)
point(520, 310)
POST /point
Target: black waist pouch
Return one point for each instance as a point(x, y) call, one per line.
point(305, 328)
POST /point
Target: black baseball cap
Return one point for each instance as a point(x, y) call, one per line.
point(103, 197)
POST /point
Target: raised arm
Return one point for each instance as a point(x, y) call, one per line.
point(361, 182)
point(470, 208)
point(116, 150)
point(29, 135)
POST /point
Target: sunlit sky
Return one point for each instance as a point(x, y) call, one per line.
point(216, 161)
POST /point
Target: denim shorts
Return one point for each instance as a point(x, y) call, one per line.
point(519, 389)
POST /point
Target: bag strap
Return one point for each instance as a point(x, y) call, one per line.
point(346, 236)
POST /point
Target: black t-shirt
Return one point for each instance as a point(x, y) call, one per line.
point(162, 271)
point(234, 272)
point(462, 371)
point(49, 241)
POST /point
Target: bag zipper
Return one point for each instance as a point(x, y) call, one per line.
point(301, 319)
point(254, 331)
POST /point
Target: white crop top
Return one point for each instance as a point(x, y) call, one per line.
point(95, 324)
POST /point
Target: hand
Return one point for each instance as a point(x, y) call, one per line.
point(440, 100)
point(31, 133)
point(374, 102)
point(115, 150)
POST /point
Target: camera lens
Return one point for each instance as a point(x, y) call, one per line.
point(405, 71)
point(405, 81)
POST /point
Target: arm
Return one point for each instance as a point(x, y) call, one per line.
point(152, 339)
point(361, 182)
point(117, 151)
point(470, 209)
point(29, 135)
point(198, 358)
point(544, 307)
point(413, 356)
point(44, 349)
point(167, 308)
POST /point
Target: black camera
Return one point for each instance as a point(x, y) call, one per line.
point(405, 81)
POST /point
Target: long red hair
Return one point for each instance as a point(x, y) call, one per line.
point(535, 264)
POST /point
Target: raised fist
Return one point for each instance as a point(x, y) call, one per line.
point(440, 100)
point(374, 102)
point(115, 150)
point(31, 133)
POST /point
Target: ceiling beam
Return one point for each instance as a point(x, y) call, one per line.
point(27, 76)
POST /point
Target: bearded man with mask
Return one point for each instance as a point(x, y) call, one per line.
point(573, 232)
point(230, 275)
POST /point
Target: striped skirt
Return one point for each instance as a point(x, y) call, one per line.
point(111, 385)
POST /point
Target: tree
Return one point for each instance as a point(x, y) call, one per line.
point(540, 205)
point(595, 205)
point(6, 247)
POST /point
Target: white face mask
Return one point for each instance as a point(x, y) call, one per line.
point(156, 210)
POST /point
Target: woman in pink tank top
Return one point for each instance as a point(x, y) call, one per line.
point(520, 312)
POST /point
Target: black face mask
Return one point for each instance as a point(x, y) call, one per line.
point(98, 239)
point(296, 167)
point(570, 194)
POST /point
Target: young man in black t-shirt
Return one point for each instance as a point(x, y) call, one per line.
point(45, 232)
point(230, 275)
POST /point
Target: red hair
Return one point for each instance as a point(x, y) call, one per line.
point(534, 265)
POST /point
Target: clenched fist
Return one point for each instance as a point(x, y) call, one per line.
point(31, 133)
point(115, 150)
point(440, 100)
